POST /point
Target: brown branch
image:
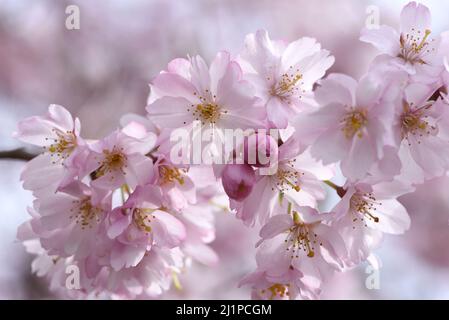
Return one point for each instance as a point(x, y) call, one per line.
point(16, 154)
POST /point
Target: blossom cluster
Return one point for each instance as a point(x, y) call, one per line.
point(131, 218)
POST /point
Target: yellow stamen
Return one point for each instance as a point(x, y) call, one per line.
point(170, 174)
point(353, 123)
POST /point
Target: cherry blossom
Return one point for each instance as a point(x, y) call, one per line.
point(67, 223)
point(350, 125)
point(215, 96)
point(283, 74)
point(299, 246)
point(290, 179)
point(362, 216)
point(423, 143)
point(414, 48)
point(118, 159)
point(140, 224)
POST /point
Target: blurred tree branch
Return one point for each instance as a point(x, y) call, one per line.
point(16, 154)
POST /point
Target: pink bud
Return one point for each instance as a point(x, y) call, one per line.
point(260, 150)
point(238, 180)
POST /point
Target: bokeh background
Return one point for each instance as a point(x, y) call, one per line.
point(102, 71)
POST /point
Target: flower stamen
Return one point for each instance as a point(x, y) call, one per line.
point(84, 213)
point(113, 161)
point(364, 205)
point(169, 174)
point(301, 237)
point(63, 145)
point(353, 123)
point(288, 85)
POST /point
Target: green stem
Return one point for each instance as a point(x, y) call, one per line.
point(340, 190)
point(331, 184)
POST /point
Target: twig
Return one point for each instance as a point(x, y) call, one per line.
point(17, 154)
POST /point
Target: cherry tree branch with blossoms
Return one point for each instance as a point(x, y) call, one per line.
point(131, 217)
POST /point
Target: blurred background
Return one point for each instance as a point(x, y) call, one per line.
point(102, 71)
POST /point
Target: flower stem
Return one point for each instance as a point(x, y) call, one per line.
point(330, 184)
point(340, 190)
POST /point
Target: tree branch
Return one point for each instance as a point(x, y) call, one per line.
point(16, 154)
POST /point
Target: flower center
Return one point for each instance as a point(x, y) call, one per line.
point(84, 213)
point(364, 205)
point(301, 237)
point(288, 179)
point(169, 174)
point(114, 160)
point(277, 290)
point(288, 85)
point(63, 145)
point(353, 123)
point(413, 122)
point(142, 219)
point(415, 46)
point(207, 113)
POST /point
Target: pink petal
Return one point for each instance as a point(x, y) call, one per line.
point(415, 16)
point(385, 39)
point(368, 91)
point(126, 256)
point(179, 66)
point(277, 112)
point(169, 112)
point(167, 229)
point(297, 51)
point(202, 253)
point(361, 156)
point(314, 68)
point(393, 217)
point(62, 118)
point(139, 170)
point(119, 223)
point(218, 68)
point(276, 225)
point(336, 88)
point(261, 53)
point(173, 85)
point(331, 146)
point(200, 76)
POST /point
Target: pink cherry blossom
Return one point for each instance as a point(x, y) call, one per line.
point(363, 214)
point(300, 245)
point(290, 179)
point(413, 48)
point(150, 278)
point(424, 146)
point(351, 124)
point(178, 189)
point(262, 288)
point(57, 132)
point(216, 96)
point(68, 223)
point(119, 159)
point(283, 74)
point(140, 224)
